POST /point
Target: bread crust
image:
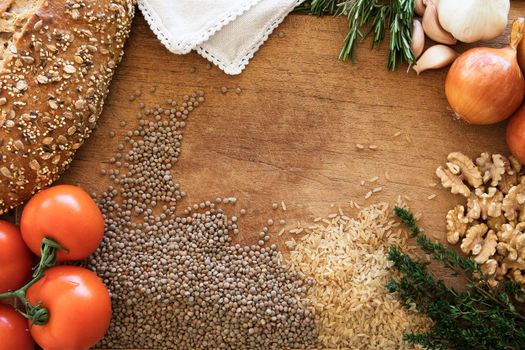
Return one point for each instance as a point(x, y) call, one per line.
point(54, 77)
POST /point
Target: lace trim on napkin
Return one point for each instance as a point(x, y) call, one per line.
point(240, 63)
point(162, 33)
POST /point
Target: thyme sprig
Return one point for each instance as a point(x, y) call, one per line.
point(477, 318)
point(374, 17)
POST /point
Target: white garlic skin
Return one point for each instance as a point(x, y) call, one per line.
point(418, 38)
point(474, 20)
point(435, 57)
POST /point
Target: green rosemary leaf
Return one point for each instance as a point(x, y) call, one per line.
point(371, 17)
point(378, 27)
point(321, 7)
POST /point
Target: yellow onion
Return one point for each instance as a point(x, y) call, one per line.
point(485, 85)
point(516, 134)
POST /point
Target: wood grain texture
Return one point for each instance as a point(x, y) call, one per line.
point(291, 134)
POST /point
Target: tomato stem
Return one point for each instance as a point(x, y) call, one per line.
point(48, 256)
point(37, 314)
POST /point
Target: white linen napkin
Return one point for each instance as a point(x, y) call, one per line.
point(226, 32)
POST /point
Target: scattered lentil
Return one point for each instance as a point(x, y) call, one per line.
point(224, 89)
point(178, 282)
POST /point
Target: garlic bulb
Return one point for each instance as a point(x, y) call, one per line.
point(473, 20)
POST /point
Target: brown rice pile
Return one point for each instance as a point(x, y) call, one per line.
point(347, 257)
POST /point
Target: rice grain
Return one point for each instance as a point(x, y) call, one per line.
point(348, 260)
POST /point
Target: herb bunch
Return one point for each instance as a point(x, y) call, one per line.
point(478, 318)
point(371, 17)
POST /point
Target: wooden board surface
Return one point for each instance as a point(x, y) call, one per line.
point(291, 134)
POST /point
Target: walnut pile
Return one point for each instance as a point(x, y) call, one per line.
point(491, 226)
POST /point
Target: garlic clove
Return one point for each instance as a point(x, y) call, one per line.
point(435, 57)
point(418, 38)
point(420, 7)
point(432, 27)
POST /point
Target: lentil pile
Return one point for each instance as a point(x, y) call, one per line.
point(178, 282)
point(348, 259)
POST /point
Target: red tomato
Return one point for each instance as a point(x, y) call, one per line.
point(516, 134)
point(66, 214)
point(14, 332)
point(15, 258)
point(79, 308)
point(8, 301)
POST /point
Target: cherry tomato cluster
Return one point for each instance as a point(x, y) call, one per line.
point(58, 307)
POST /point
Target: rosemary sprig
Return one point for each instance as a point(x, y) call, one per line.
point(401, 33)
point(374, 17)
point(362, 13)
point(320, 7)
point(478, 318)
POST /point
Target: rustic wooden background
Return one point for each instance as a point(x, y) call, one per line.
point(291, 134)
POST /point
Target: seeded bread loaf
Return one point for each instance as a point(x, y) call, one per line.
point(57, 58)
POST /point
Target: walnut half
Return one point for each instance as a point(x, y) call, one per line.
point(468, 168)
point(456, 224)
point(484, 205)
point(452, 181)
point(480, 242)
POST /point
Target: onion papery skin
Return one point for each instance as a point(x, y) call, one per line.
point(516, 134)
point(485, 85)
